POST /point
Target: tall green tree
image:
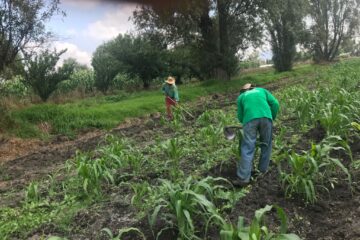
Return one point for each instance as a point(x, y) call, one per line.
point(105, 65)
point(284, 20)
point(43, 76)
point(22, 24)
point(333, 22)
point(218, 29)
point(139, 57)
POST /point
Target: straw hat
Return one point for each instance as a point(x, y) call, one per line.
point(247, 86)
point(170, 80)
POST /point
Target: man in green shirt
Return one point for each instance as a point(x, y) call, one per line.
point(257, 108)
point(171, 95)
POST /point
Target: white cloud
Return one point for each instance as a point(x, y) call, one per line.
point(73, 51)
point(114, 23)
point(84, 4)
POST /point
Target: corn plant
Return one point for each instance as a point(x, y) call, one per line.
point(301, 178)
point(313, 169)
point(204, 119)
point(257, 230)
point(142, 194)
point(92, 172)
point(180, 204)
point(32, 193)
point(174, 152)
point(122, 232)
point(214, 117)
point(211, 135)
point(178, 119)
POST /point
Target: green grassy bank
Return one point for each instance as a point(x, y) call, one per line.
point(107, 111)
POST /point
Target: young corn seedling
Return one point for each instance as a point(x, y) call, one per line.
point(204, 119)
point(32, 193)
point(180, 204)
point(92, 172)
point(142, 194)
point(301, 178)
point(211, 135)
point(174, 152)
point(257, 230)
point(313, 170)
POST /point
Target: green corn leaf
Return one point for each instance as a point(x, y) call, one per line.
point(108, 232)
point(289, 236)
point(283, 219)
point(56, 238)
point(189, 220)
point(85, 185)
point(260, 212)
point(243, 235)
point(154, 215)
point(131, 229)
point(226, 235)
point(240, 223)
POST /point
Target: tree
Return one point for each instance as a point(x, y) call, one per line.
point(284, 22)
point(138, 56)
point(217, 29)
point(105, 65)
point(22, 23)
point(77, 66)
point(42, 75)
point(333, 22)
point(13, 69)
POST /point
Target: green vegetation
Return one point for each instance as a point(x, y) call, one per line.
point(107, 112)
point(313, 170)
point(166, 183)
point(257, 228)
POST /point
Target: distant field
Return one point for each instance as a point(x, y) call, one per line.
point(108, 111)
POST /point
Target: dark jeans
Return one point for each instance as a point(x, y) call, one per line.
point(247, 148)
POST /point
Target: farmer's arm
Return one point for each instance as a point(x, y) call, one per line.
point(273, 103)
point(163, 89)
point(240, 110)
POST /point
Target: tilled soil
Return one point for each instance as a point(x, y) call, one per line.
point(335, 216)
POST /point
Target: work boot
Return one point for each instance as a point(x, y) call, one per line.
point(239, 183)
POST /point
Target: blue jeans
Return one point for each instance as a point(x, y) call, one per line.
point(247, 148)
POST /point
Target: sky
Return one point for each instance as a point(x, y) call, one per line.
point(88, 24)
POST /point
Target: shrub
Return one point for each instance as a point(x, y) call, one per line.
point(41, 73)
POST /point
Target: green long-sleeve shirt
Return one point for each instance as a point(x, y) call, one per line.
point(171, 91)
point(256, 103)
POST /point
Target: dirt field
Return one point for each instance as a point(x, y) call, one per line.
point(336, 216)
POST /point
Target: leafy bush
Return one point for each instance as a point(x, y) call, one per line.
point(14, 87)
point(81, 80)
point(124, 81)
point(41, 73)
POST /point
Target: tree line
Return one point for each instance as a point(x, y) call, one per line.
point(202, 39)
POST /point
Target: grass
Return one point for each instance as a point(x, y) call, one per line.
point(107, 112)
